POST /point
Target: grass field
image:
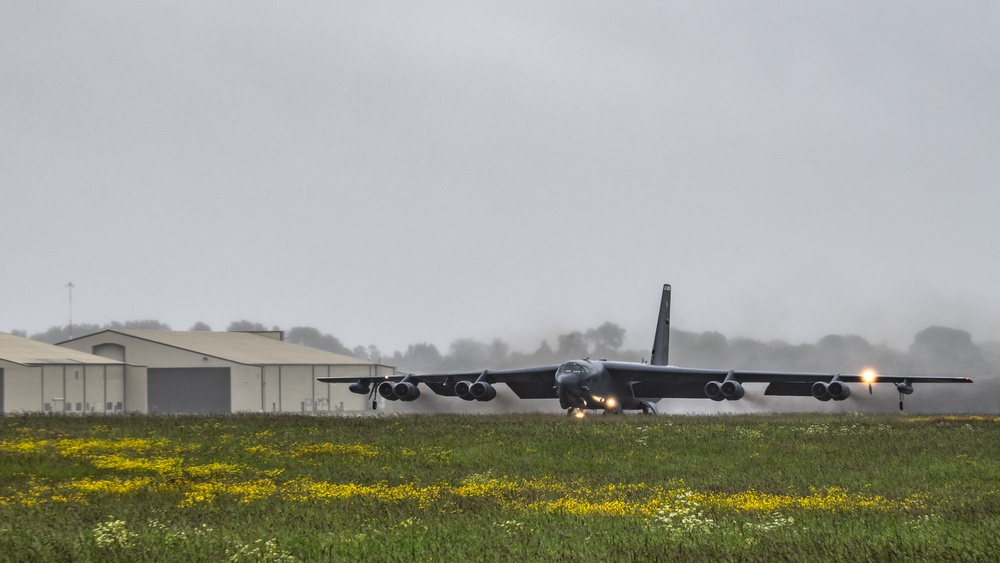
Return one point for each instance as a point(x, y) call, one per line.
point(517, 487)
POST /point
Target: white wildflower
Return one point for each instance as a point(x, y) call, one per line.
point(113, 534)
point(260, 551)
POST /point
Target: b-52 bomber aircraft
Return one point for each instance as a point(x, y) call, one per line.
point(616, 386)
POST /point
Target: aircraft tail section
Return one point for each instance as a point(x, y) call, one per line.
point(661, 339)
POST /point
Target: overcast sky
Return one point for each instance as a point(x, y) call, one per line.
point(394, 173)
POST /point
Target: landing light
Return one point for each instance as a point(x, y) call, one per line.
point(578, 414)
point(611, 402)
point(868, 376)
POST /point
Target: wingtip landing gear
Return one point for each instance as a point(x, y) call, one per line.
point(904, 388)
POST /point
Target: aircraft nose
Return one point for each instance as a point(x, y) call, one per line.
point(568, 380)
point(568, 389)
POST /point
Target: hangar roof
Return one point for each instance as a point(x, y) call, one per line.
point(29, 352)
point(244, 347)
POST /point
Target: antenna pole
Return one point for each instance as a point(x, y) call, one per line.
point(70, 287)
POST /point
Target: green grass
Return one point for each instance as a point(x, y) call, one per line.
point(518, 487)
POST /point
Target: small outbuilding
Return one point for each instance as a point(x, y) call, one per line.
point(223, 372)
point(40, 377)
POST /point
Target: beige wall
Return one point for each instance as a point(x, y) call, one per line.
point(272, 388)
point(22, 390)
point(135, 389)
point(245, 390)
point(295, 389)
point(63, 388)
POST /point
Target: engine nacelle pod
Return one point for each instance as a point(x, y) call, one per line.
point(464, 390)
point(713, 390)
point(732, 390)
point(386, 390)
point(904, 387)
point(483, 391)
point(361, 387)
point(821, 391)
point(406, 391)
point(838, 390)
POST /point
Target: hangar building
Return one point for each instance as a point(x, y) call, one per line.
point(40, 377)
point(212, 372)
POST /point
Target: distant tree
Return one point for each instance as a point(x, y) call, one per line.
point(245, 325)
point(779, 355)
point(945, 351)
point(991, 354)
point(522, 360)
point(606, 338)
point(309, 336)
point(572, 345)
point(200, 327)
point(842, 353)
point(544, 354)
point(420, 357)
point(706, 349)
point(59, 334)
point(749, 354)
point(467, 354)
point(360, 352)
point(304, 335)
point(498, 353)
point(147, 324)
point(19, 332)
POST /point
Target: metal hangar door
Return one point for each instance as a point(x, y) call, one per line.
point(188, 390)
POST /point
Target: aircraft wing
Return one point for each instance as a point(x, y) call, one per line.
point(679, 382)
point(526, 383)
point(645, 382)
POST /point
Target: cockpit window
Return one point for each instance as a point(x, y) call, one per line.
point(573, 368)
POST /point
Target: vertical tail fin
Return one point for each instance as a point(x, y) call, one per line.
point(661, 339)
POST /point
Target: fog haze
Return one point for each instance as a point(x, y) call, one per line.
point(395, 173)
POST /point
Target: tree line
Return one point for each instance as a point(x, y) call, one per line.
point(935, 350)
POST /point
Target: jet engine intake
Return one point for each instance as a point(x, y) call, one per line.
point(406, 391)
point(713, 390)
point(464, 390)
point(386, 390)
point(904, 387)
point(482, 391)
point(821, 391)
point(836, 390)
point(732, 390)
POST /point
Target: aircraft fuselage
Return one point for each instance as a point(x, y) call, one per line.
point(586, 384)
